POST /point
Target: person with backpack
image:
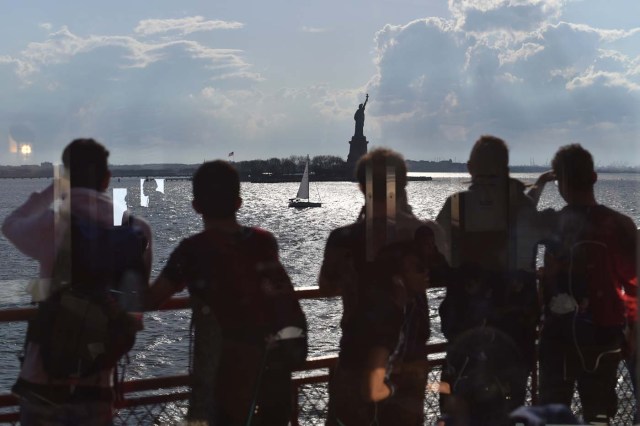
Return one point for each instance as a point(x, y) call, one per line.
point(370, 328)
point(90, 275)
point(249, 331)
point(589, 286)
point(493, 229)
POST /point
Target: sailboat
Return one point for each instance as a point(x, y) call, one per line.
point(302, 198)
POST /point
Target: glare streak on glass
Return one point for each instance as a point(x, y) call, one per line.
point(119, 205)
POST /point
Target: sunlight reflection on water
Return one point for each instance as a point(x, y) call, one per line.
point(162, 348)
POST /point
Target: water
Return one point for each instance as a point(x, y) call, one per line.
point(162, 348)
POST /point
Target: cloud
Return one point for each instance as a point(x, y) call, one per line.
point(183, 26)
point(130, 92)
point(168, 101)
point(63, 46)
point(591, 77)
point(513, 15)
point(513, 68)
point(521, 53)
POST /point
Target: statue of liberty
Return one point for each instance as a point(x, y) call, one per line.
point(359, 118)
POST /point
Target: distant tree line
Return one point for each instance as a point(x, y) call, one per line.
point(44, 170)
point(321, 166)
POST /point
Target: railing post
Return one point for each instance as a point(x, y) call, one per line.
point(534, 368)
point(295, 404)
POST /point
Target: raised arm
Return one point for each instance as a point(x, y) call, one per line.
point(171, 280)
point(366, 99)
point(159, 292)
point(536, 190)
point(31, 225)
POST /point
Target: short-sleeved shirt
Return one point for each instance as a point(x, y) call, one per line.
point(220, 269)
point(212, 264)
point(370, 318)
point(500, 223)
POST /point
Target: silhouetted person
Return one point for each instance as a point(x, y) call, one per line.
point(493, 230)
point(359, 118)
point(347, 270)
point(150, 195)
point(589, 287)
point(34, 229)
point(241, 298)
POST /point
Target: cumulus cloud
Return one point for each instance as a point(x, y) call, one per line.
point(63, 46)
point(144, 98)
point(184, 26)
point(514, 15)
point(124, 89)
point(510, 67)
point(516, 68)
point(591, 77)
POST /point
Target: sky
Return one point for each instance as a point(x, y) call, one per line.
point(188, 81)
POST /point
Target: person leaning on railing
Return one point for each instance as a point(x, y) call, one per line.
point(589, 287)
point(249, 329)
point(34, 230)
point(493, 230)
point(366, 351)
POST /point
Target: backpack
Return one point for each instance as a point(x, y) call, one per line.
point(259, 304)
point(486, 285)
point(487, 371)
point(84, 326)
point(579, 268)
point(249, 326)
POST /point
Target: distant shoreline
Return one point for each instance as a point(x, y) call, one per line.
point(45, 170)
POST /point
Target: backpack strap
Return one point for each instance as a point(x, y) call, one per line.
point(129, 221)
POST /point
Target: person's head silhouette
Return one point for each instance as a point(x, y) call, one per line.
point(216, 190)
point(489, 158)
point(86, 162)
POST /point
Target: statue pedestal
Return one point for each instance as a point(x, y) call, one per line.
point(357, 148)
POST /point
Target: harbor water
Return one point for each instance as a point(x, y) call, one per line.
point(162, 348)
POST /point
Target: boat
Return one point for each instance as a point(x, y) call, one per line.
point(302, 198)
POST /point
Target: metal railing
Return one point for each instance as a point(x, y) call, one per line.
point(164, 400)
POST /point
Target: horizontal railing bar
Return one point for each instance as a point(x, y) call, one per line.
point(9, 400)
point(141, 385)
point(9, 417)
point(17, 314)
point(166, 382)
point(435, 348)
point(152, 399)
point(175, 303)
point(315, 363)
point(320, 378)
point(182, 302)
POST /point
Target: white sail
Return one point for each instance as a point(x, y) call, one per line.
point(303, 190)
